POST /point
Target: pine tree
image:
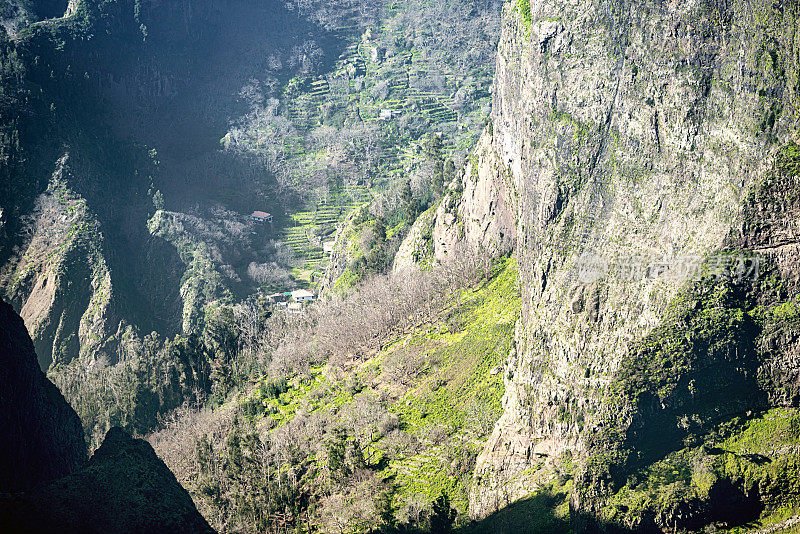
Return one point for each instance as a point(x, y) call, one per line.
point(449, 171)
point(443, 516)
point(380, 231)
point(408, 202)
point(433, 146)
point(336, 447)
point(384, 504)
point(438, 177)
point(357, 460)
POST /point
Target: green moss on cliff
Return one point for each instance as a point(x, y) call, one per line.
point(675, 446)
point(744, 472)
point(524, 9)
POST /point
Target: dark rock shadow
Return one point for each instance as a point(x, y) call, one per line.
point(534, 515)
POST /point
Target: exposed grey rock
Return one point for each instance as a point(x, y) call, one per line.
point(414, 247)
point(484, 215)
point(628, 131)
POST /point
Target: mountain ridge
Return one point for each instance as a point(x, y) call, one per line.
point(46, 482)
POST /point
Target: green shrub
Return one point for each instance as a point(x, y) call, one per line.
point(273, 389)
point(524, 8)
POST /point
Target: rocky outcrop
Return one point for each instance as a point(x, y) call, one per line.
point(481, 208)
point(60, 282)
point(46, 485)
point(623, 142)
point(770, 221)
point(417, 247)
point(124, 488)
point(42, 435)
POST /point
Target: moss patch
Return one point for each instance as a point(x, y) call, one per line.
point(746, 475)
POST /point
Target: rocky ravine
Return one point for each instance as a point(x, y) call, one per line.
point(627, 130)
point(157, 84)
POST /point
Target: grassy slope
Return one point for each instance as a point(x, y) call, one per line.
point(460, 381)
point(451, 405)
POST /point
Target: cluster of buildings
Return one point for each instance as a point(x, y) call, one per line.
point(292, 301)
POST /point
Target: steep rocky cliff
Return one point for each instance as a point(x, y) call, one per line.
point(61, 283)
point(125, 487)
point(46, 484)
point(712, 391)
point(624, 140)
point(42, 435)
point(106, 103)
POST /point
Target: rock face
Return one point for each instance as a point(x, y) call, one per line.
point(46, 485)
point(124, 488)
point(482, 211)
point(417, 245)
point(42, 435)
point(725, 351)
point(622, 134)
point(61, 283)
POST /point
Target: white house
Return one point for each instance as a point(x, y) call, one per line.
point(387, 114)
point(327, 246)
point(302, 295)
point(261, 216)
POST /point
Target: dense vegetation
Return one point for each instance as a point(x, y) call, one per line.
point(111, 123)
point(409, 92)
point(385, 433)
point(135, 139)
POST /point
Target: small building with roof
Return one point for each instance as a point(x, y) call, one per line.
point(261, 216)
point(302, 295)
point(388, 114)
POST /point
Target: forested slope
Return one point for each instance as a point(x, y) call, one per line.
point(138, 136)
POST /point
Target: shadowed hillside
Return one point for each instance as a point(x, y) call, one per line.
point(46, 483)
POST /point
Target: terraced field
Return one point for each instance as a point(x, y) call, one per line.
point(386, 89)
point(310, 229)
